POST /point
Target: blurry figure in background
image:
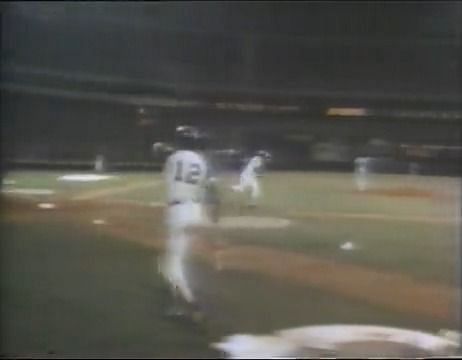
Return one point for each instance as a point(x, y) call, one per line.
point(186, 179)
point(414, 168)
point(362, 173)
point(100, 163)
point(249, 176)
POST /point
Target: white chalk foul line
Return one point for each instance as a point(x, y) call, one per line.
point(29, 191)
point(8, 182)
point(154, 204)
point(101, 193)
point(84, 177)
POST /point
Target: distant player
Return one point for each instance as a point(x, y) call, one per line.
point(186, 180)
point(249, 177)
point(100, 163)
point(362, 173)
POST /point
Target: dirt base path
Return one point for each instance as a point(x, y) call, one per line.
point(374, 217)
point(404, 192)
point(393, 291)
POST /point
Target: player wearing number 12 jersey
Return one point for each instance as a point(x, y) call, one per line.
point(186, 178)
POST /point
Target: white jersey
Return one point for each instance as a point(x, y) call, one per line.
point(185, 175)
point(361, 164)
point(252, 167)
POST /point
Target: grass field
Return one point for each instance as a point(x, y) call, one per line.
point(71, 286)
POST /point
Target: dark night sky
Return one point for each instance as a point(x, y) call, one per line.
point(381, 47)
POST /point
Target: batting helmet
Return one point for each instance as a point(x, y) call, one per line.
point(264, 154)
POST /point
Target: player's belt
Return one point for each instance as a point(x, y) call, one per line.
point(177, 202)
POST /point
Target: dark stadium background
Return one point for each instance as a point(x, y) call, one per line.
point(80, 79)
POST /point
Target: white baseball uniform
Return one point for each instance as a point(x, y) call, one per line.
point(185, 176)
point(248, 178)
point(361, 173)
point(100, 163)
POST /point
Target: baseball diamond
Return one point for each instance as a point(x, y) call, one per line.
point(269, 179)
point(299, 265)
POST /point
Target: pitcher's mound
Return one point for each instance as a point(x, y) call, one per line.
point(252, 222)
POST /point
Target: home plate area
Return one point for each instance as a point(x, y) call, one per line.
point(252, 222)
point(338, 340)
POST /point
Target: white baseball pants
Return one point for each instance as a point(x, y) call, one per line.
point(178, 218)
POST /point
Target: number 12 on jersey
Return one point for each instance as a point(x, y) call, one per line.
point(189, 174)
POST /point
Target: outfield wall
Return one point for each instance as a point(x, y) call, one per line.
point(376, 166)
point(41, 131)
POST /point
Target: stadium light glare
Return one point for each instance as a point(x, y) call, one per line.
point(334, 111)
point(256, 107)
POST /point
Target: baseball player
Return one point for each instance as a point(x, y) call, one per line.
point(362, 173)
point(100, 163)
point(186, 180)
point(248, 177)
